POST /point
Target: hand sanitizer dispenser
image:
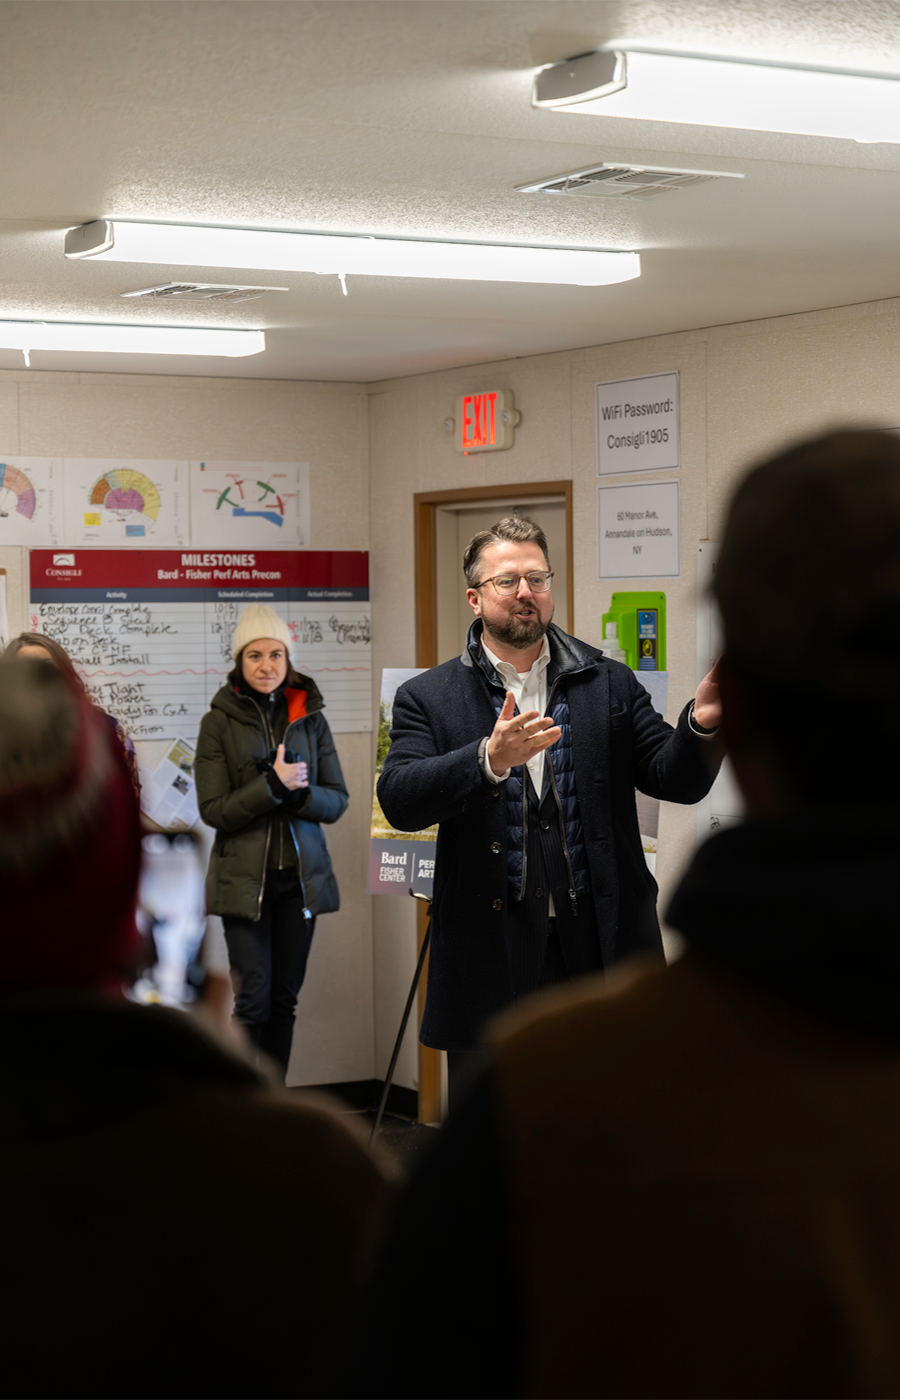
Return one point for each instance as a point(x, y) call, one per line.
point(639, 620)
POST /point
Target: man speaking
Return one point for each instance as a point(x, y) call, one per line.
point(527, 750)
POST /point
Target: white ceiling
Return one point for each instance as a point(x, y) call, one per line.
point(413, 117)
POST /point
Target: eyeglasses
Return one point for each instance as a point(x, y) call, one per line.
point(538, 582)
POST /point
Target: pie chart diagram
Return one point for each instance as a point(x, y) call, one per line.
point(125, 490)
point(16, 493)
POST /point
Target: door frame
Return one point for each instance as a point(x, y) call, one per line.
point(425, 507)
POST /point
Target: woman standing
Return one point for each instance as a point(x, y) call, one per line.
point(267, 776)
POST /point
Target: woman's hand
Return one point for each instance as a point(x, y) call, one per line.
point(293, 775)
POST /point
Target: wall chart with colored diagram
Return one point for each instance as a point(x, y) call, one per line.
point(243, 504)
point(31, 501)
point(116, 502)
point(113, 501)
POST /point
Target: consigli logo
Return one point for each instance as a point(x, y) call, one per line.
point(64, 567)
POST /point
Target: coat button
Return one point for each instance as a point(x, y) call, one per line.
point(496, 847)
point(539, 893)
point(495, 792)
point(545, 826)
point(498, 905)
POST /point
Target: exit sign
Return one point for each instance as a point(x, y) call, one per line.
point(485, 422)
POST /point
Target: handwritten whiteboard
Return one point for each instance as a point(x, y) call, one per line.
point(150, 631)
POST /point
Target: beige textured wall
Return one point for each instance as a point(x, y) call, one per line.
point(744, 389)
point(156, 416)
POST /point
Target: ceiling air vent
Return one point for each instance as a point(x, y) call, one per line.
point(200, 291)
point(623, 181)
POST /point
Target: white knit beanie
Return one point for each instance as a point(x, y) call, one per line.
point(258, 620)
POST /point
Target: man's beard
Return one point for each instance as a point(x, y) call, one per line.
point(516, 632)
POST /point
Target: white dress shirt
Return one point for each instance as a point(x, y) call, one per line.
point(530, 692)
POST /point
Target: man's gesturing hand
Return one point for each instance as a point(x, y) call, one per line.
point(516, 738)
point(708, 701)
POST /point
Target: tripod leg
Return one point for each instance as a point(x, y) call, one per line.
point(400, 1034)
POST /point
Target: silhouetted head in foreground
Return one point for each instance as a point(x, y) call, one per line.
point(69, 837)
point(808, 584)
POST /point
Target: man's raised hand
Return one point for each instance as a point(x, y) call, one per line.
point(708, 700)
point(517, 738)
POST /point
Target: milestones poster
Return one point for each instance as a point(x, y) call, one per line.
point(150, 631)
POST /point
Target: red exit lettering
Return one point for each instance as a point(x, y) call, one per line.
point(479, 421)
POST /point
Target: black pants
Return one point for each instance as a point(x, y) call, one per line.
point(463, 1065)
point(268, 964)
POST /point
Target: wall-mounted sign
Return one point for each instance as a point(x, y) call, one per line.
point(639, 531)
point(637, 424)
point(149, 630)
point(486, 422)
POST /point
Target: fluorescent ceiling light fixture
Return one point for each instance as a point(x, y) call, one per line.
point(128, 340)
point(192, 245)
point(712, 91)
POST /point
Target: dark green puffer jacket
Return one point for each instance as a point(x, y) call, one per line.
point(246, 805)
